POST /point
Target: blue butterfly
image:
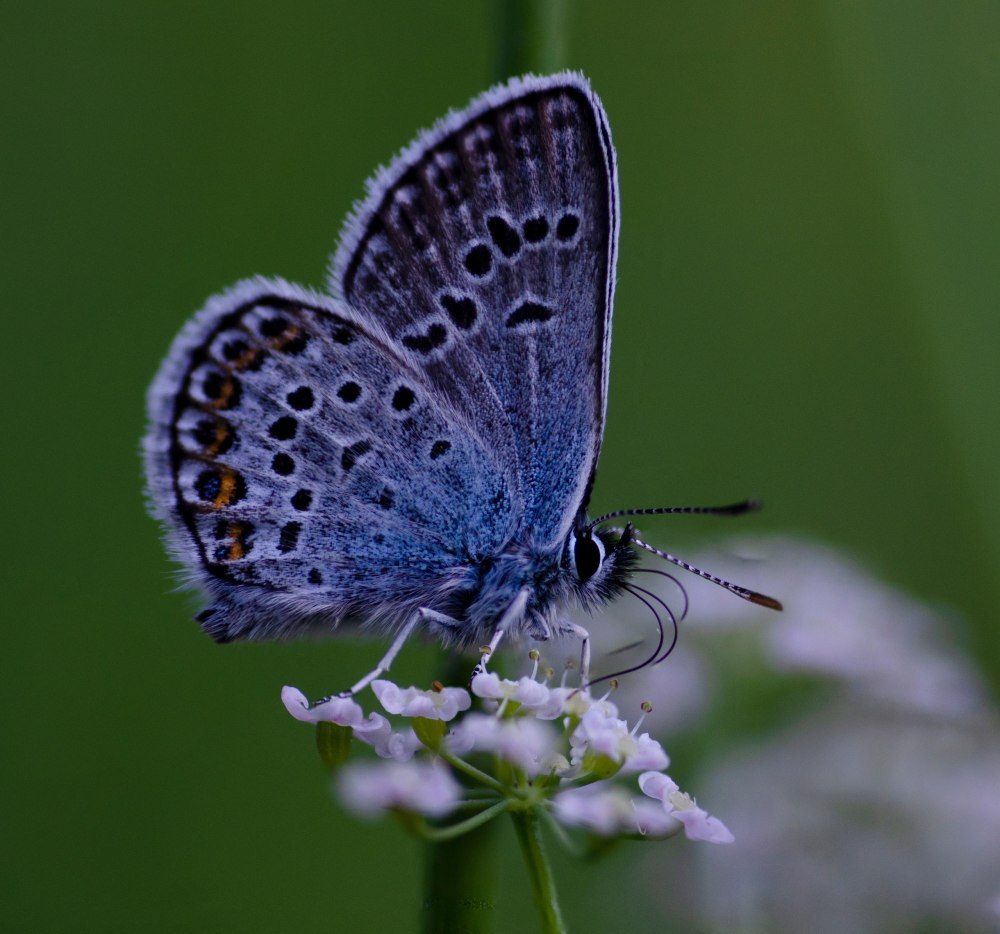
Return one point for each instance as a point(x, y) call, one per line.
point(416, 448)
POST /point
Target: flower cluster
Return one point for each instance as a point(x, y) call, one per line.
point(556, 751)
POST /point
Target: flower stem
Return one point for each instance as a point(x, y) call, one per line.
point(460, 765)
point(460, 884)
point(443, 834)
point(529, 835)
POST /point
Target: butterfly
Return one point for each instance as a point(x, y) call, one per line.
point(415, 448)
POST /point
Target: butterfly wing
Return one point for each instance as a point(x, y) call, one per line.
point(308, 472)
point(487, 250)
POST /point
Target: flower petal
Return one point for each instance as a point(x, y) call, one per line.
point(698, 823)
point(657, 785)
point(340, 710)
point(646, 754)
point(443, 704)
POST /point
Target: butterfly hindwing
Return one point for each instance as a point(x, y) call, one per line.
point(311, 468)
point(486, 250)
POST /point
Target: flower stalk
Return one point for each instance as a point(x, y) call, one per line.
point(528, 828)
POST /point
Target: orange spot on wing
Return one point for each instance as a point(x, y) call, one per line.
point(247, 359)
point(232, 488)
point(220, 441)
point(227, 486)
point(239, 545)
point(228, 395)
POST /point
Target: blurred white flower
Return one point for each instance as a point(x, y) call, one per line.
point(420, 787)
point(877, 806)
point(389, 744)
point(875, 820)
point(529, 744)
point(842, 623)
point(609, 811)
point(839, 623)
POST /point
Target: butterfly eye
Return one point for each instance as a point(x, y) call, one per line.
point(586, 556)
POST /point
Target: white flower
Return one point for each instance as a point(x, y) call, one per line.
point(443, 704)
point(597, 809)
point(522, 741)
point(577, 702)
point(340, 710)
point(600, 735)
point(532, 695)
point(386, 743)
point(698, 824)
point(422, 787)
point(376, 731)
point(919, 839)
point(609, 811)
point(646, 754)
point(544, 702)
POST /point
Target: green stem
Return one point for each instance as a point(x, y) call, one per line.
point(461, 765)
point(532, 36)
point(529, 835)
point(442, 834)
point(460, 884)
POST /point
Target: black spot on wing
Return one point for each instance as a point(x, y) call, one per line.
point(528, 313)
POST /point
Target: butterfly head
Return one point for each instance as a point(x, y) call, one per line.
point(599, 561)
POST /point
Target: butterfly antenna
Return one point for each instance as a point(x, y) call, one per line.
point(751, 595)
point(733, 509)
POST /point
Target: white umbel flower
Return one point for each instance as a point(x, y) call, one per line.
point(557, 750)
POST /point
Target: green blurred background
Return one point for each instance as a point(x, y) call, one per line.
point(806, 311)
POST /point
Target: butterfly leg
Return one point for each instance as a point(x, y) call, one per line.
point(568, 628)
point(439, 619)
point(487, 652)
point(511, 614)
point(384, 664)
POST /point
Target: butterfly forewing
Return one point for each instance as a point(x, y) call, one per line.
point(304, 458)
point(486, 251)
